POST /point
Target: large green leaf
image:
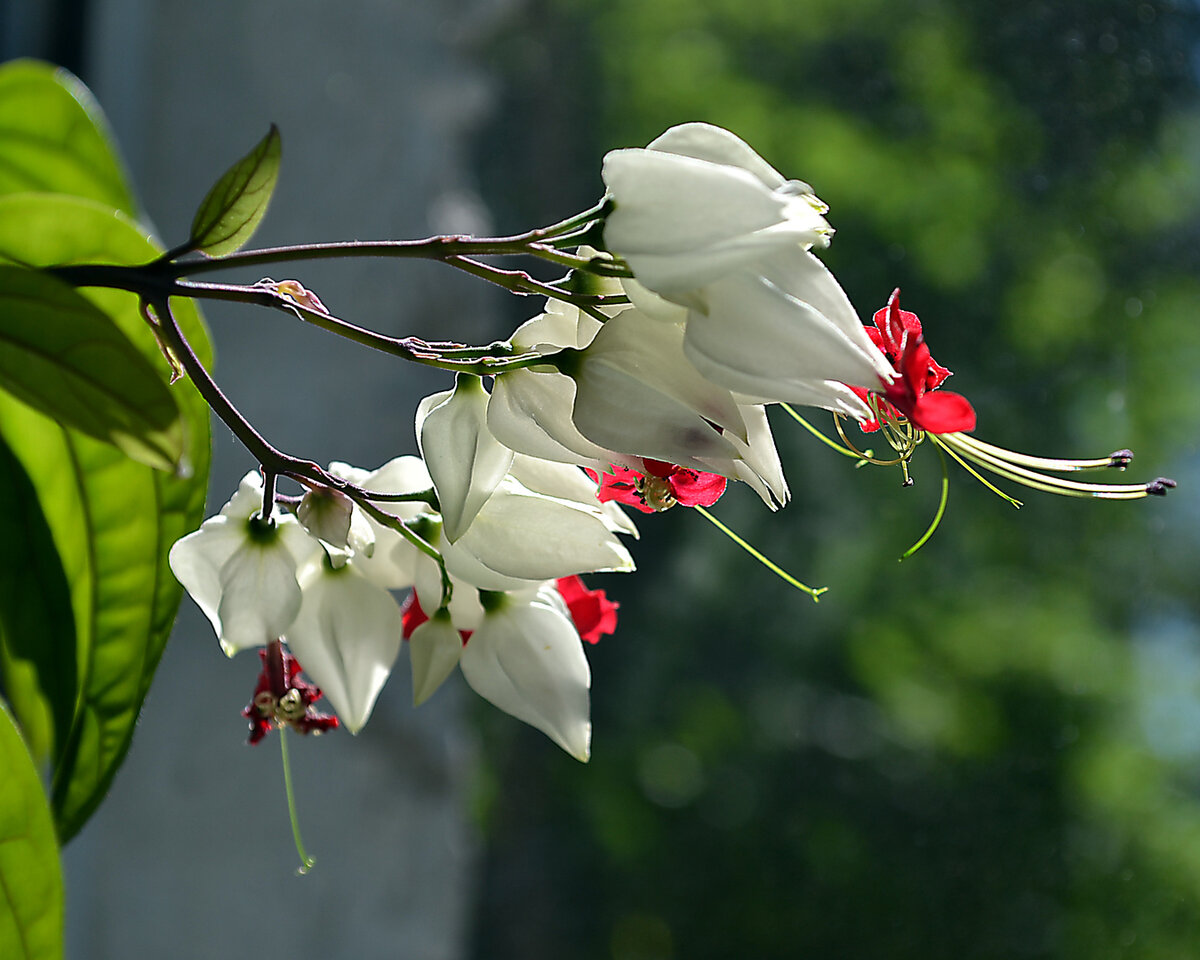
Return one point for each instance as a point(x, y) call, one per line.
point(64, 357)
point(230, 213)
point(112, 520)
point(54, 138)
point(31, 890)
point(37, 630)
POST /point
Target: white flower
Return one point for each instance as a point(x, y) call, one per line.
point(521, 652)
point(632, 394)
point(527, 659)
point(465, 461)
point(435, 648)
point(347, 635)
point(242, 571)
point(706, 223)
point(697, 203)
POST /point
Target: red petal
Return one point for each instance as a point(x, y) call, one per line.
point(620, 485)
point(411, 614)
point(914, 365)
point(693, 488)
point(943, 412)
point(863, 394)
point(594, 614)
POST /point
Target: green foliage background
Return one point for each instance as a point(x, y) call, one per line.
point(992, 749)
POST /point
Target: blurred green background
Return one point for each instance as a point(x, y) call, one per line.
point(991, 749)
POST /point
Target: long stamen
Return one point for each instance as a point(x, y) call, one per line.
point(1117, 460)
point(937, 517)
point(1000, 464)
point(814, 592)
point(844, 451)
point(306, 862)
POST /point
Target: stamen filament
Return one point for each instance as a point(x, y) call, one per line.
point(940, 443)
point(306, 862)
point(814, 592)
point(1117, 461)
point(844, 451)
point(937, 517)
point(1041, 481)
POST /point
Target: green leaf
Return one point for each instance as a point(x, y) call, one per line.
point(37, 630)
point(63, 356)
point(233, 208)
point(112, 520)
point(31, 888)
point(54, 137)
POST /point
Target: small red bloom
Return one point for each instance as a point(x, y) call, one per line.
point(594, 614)
point(897, 333)
point(281, 697)
point(661, 487)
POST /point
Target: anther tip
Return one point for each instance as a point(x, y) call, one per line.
point(1120, 459)
point(1160, 486)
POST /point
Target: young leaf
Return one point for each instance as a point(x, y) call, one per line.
point(231, 212)
point(31, 888)
point(63, 356)
point(112, 520)
point(37, 631)
point(54, 137)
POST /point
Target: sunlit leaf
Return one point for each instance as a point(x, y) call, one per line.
point(31, 889)
point(231, 212)
point(37, 630)
point(112, 520)
point(54, 137)
point(63, 356)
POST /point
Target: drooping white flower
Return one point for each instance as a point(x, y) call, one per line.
point(242, 571)
point(697, 203)
point(465, 461)
point(705, 222)
point(435, 648)
point(527, 659)
point(347, 635)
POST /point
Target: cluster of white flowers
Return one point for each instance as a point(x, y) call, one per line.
point(729, 311)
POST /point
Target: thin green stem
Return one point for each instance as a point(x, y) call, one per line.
point(844, 451)
point(306, 862)
point(814, 592)
point(937, 517)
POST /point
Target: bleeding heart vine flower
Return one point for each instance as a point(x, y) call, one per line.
point(705, 222)
point(242, 570)
point(698, 203)
point(908, 411)
point(897, 334)
point(523, 654)
point(662, 486)
point(281, 698)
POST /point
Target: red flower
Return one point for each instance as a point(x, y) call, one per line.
point(281, 697)
point(662, 486)
point(897, 333)
point(594, 614)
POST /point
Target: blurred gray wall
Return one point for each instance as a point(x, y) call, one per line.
point(191, 856)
